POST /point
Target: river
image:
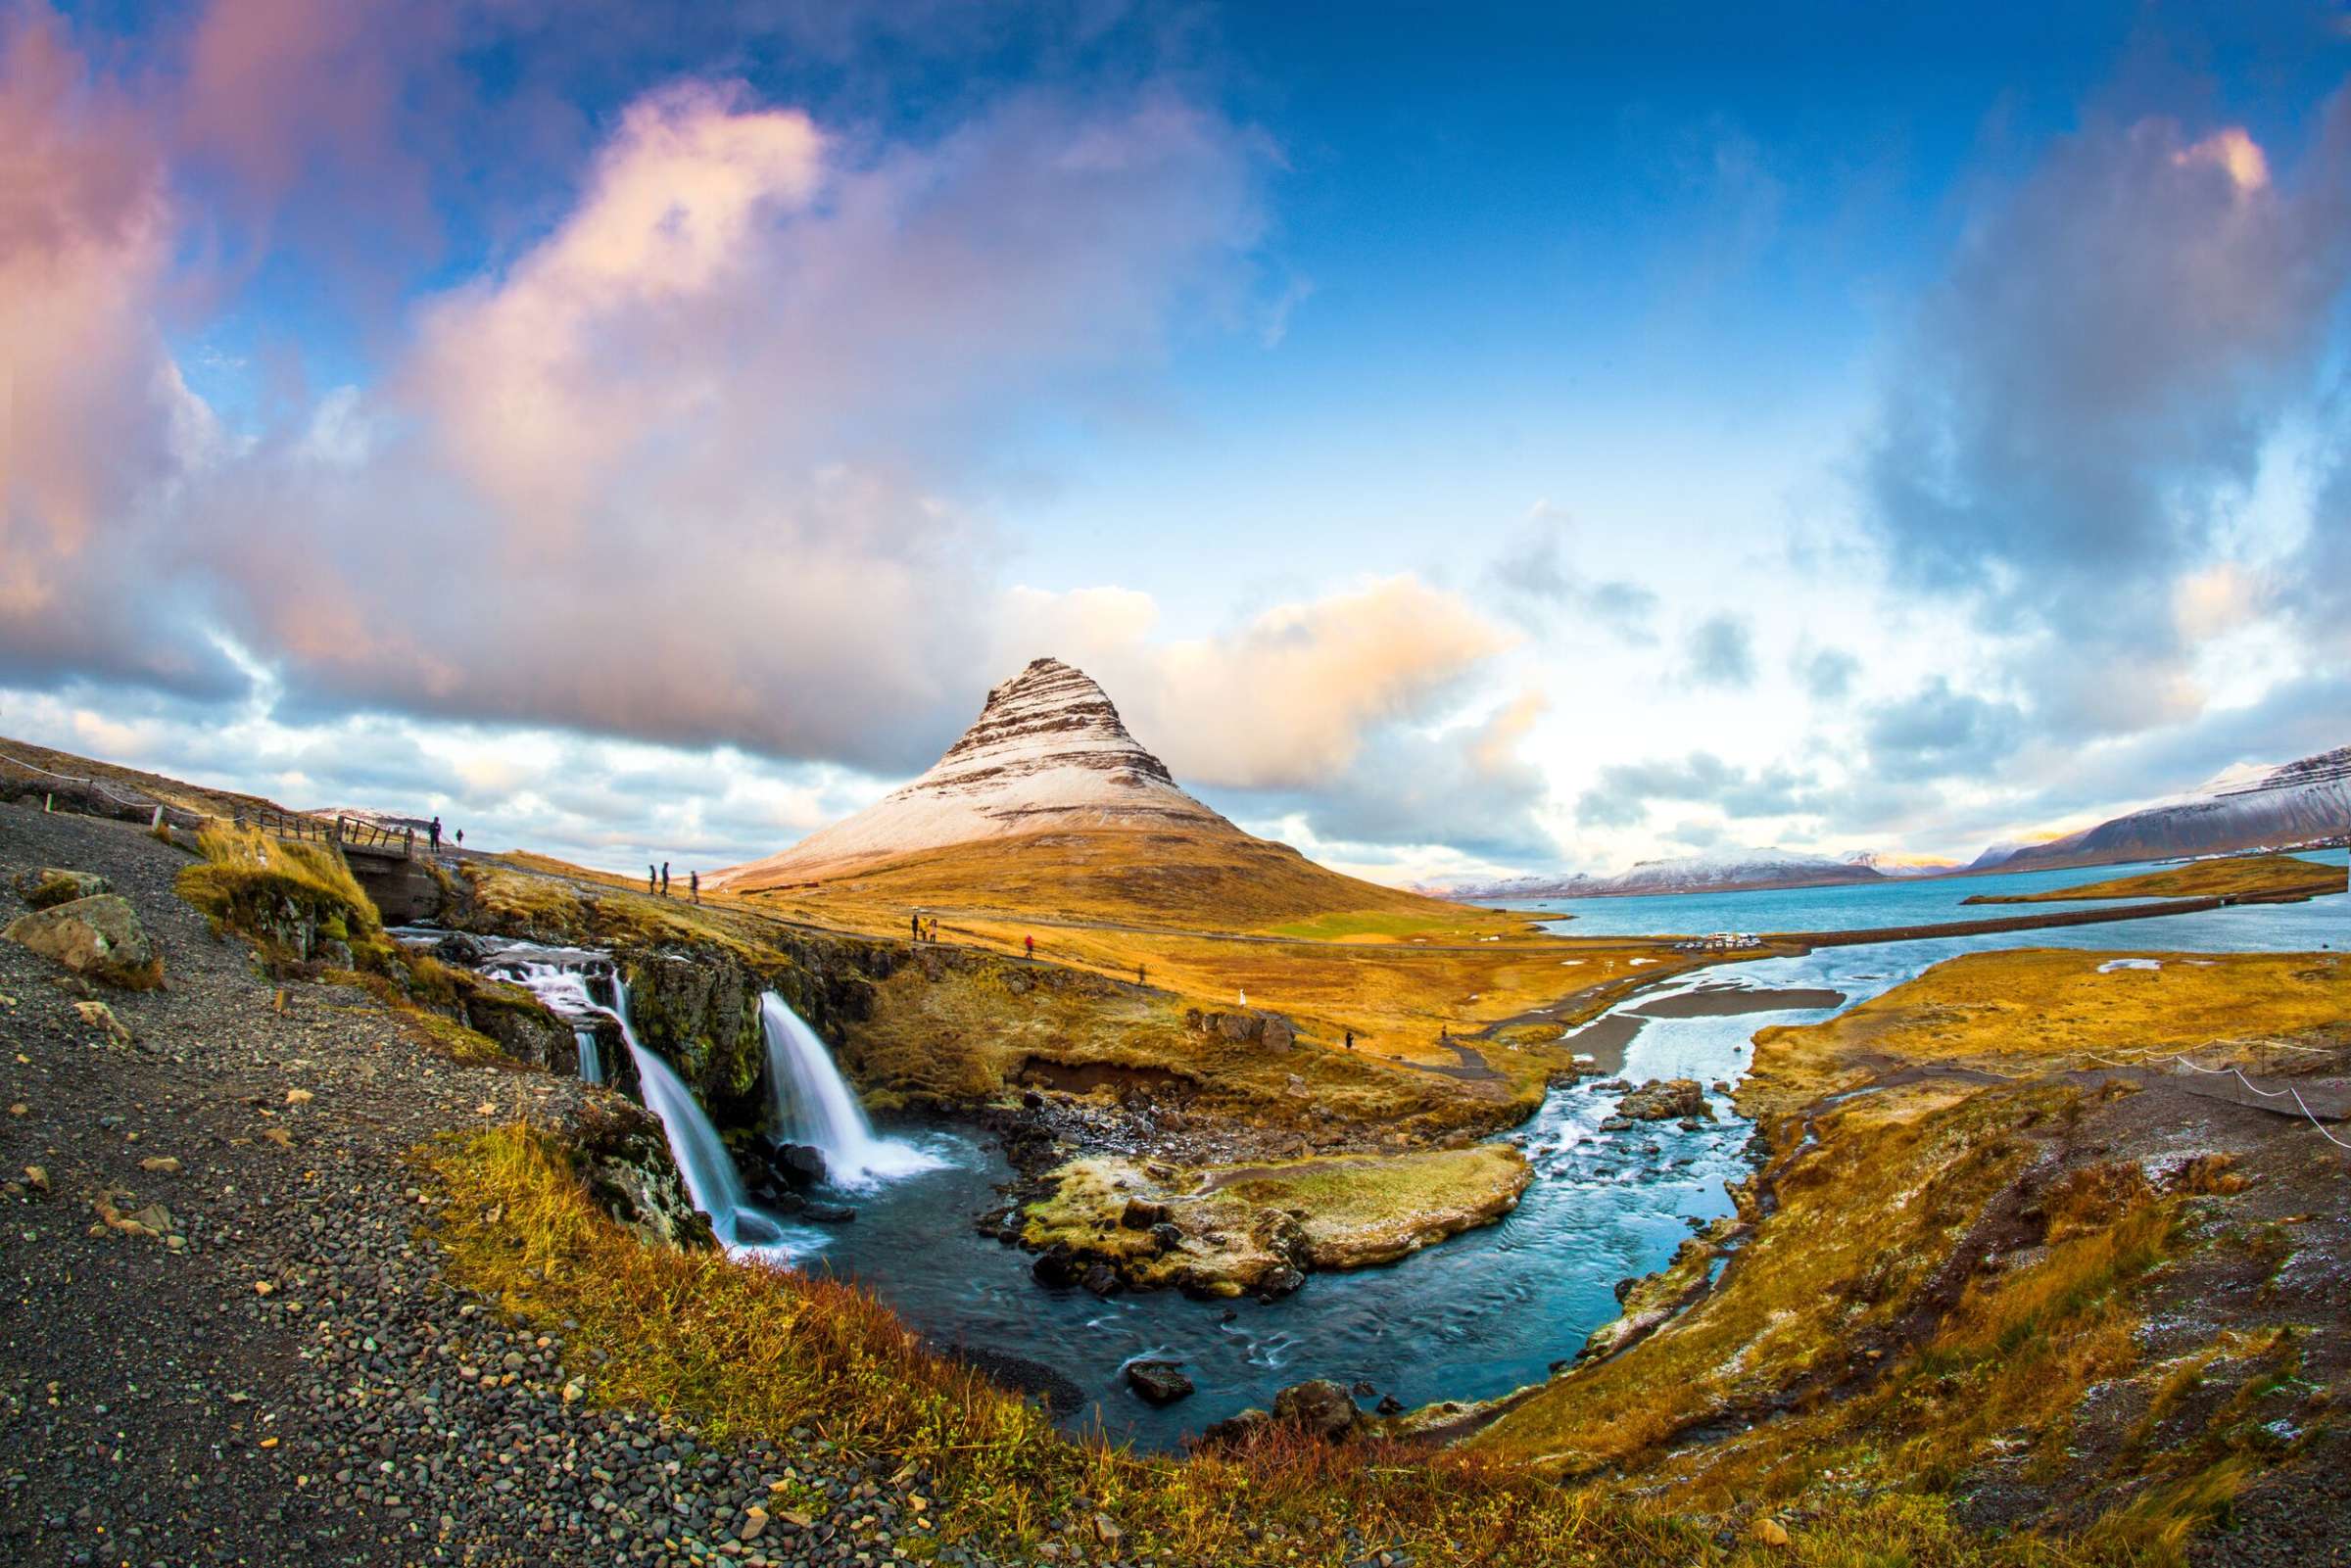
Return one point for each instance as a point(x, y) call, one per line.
point(1490, 1310)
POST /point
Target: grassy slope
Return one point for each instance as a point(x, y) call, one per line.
point(2047, 1008)
point(2239, 877)
point(1893, 1351)
point(762, 1350)
point(171, 791)
point(1206, 881)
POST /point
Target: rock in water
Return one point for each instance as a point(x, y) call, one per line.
point(99, 937)
point(1158, 1382)
point(1047, 751)
point(1321, 1409)
point(1667, 1100)
point(799, 1164)
point(51, 886)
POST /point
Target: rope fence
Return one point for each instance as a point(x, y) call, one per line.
point(347, 831)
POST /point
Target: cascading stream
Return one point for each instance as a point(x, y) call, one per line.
point(810, 1103)
point(702, 1161)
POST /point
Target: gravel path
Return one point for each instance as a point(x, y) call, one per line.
point(279, 1374)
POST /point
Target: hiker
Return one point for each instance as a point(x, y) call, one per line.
point(435, 833)
point(1350, 1039)
point(653, 882)
point(1031, 943)
point(1138, 974)
point(934, 928)
point(665, 878)
point(694, 885)
point(460, 838)
point(914, 924)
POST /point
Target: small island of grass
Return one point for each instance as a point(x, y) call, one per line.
point(2265, 877)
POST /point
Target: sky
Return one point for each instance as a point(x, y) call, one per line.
point(1462, 440)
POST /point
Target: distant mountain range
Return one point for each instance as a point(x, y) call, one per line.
point(1723, 872)
point(2245, 808)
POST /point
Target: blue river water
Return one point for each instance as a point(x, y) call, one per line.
point(1490, 1310)
point(1890, 902)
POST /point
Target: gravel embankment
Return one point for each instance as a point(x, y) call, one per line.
point(278, 1374)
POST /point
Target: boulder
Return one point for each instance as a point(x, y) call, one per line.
point(1234, 1429)
point(828, 1213)
point(1278, 1282)
point(1319, 1408)
point(1141, 1213)
point(1166, 1236)
point(51, 886)
point(98, 937)
point(1102, 1279)
point(1057, 1265)
point(1667, 1100)
point(799, 1164)
point(1158, 1382)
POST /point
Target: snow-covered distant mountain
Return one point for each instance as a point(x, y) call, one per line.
point(1723, 872)
point(2243, 808)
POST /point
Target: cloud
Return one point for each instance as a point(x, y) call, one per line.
point(1937, 731)
point(1466, 786)
point(1285, 701)
point(686, 468)
point(94, 423)
point(1623, 792)
point(1720, 650)
point(2068, 439)
point(1828, 673)
point(1533, 579)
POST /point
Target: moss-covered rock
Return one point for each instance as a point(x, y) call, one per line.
point(99, 938)
point(47, 886)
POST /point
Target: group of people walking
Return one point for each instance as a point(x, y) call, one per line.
point(924, 929)
point(656, 882)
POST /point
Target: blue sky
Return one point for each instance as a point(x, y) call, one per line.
point(1462, 439)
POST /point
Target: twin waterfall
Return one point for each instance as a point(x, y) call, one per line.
point(809, 1102)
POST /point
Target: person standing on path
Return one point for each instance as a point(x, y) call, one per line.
point(434, 832)
point(665, 878)
point(914, 924)
point(694, 885)
point(653, 882)
point(1031, 943)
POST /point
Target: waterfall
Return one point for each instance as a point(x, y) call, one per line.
point(810, 1103)
point(560, 979)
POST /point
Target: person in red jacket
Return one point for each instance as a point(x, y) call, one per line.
point(1031, 943)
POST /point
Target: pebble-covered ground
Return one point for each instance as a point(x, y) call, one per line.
point(275, 1373)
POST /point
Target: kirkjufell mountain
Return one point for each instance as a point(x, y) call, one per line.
point(1048, 783)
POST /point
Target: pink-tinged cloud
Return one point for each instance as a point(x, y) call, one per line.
point(686, 466)
point(1286, 700)
point(93, 420)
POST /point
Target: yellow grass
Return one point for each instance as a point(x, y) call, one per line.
point(1808, 1289)
point(2048, 1009)
point(755, 1352)
point(248, 881)
point(2242, 876)
point(1347, 1211)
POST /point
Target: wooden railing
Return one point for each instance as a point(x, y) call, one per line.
point(345, 833)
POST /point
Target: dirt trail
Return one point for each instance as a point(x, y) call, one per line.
point(283, 1376)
